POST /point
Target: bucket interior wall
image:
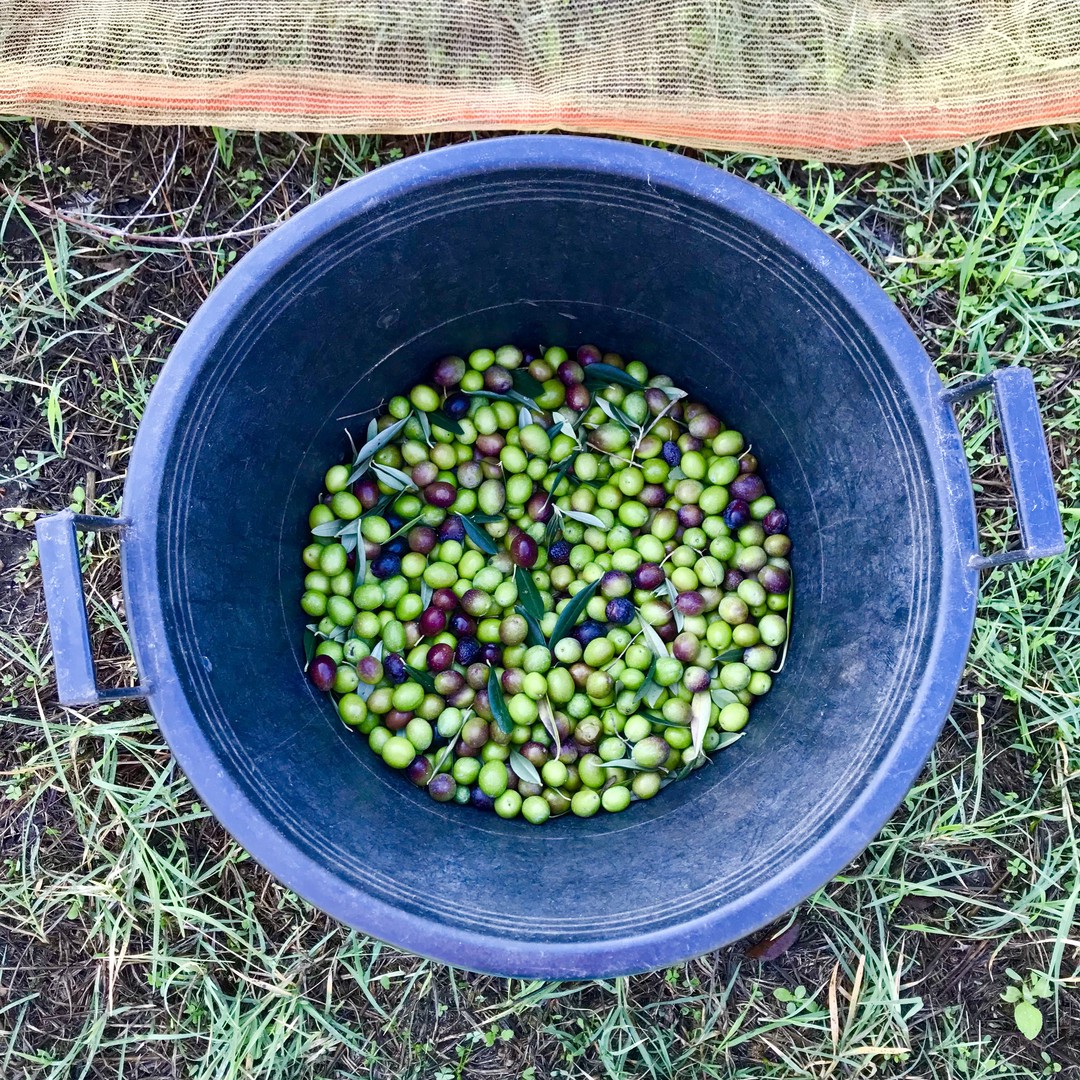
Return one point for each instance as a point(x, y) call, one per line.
point(734, 317)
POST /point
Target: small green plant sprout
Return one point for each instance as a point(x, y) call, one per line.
point(1023, 995)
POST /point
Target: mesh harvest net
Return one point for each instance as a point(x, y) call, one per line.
point(850, 80)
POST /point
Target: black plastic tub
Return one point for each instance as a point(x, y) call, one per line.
point(554, 240)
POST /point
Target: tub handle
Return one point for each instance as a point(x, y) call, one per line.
point(1028, 461)
point(65, 605)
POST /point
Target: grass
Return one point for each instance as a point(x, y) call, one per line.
point(137, 941)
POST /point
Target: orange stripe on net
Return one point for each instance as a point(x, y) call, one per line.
point(280, 101)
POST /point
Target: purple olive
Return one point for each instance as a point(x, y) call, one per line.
point(775, 579)
point(448, 371)
point(452, 529)
point(539, 507)
point(535, 753)
point(440, 494)
point(394, 668)
point(690, 603)
point(732, 579)
point(559, 553)
point(481, 801)
point(704, 426)
point(385, 566)
point(620, 611)
point(588, 354)
point(444, 599)
point(468, 649)
point(370, 670)
point(512, 680)
point(736, 513)
point(653, 496)
point(448, 682)
point(569, 372)
point(424, 473)
point(442, 787)
point(422, 539)
point(432, 621)
point(691, 516)
point(490, 445)
point(524, 550)
point(322, 671)
point(367, 491)
point(419, 771)
point(747, 486)
point(685, 647)
point(476, 673)
point(748, 463)
point(588, 631)
point(578, 397)
point(648, 576)
point(397, 719)
point(775, 521)
point(498, 380)
point(461, 625)
point(439, 657)
point(696, 679)
point(456, 406)
point(490, 653)
point(671, 453)
point(656, 399)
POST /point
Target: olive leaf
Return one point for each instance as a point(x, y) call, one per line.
point(572, 612)
point(484, 519)
point(426, 592)
point(673, 596)
point(525, 769)
point(700, 710)
point(674, 393)
point(498, 703)
point(646, 684)
point(422, 677)
point(652, 694)
point(425, 425)
point(444, 756)
point(653, 639)
point(528, 593)
point(607, 374)
point(372, 429)
point(560, 476)
point(373, 445)
point(661, 721)
point(616, 414)
point(525, 417)
point(729, 737)
point(547, 718)
point(551, 530)
point(310, 641)
point(330, 528)
point(527, 384)
point(585, 519)
point(730, 656)
point(625, 763)
point(555, 428)
point(360, 571)
point(478, 536)
point(535, 632)
point(447, 423)
point(787, 637)
point(511, 395)
point(722, 697)
point(393, 478)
